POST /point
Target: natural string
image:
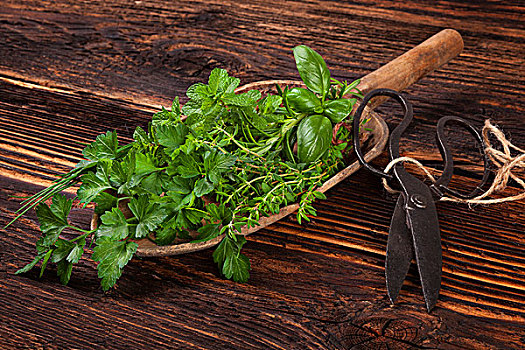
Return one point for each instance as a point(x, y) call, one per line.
point(503, 160)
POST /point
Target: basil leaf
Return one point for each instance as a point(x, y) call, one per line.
point(312, 69)
point(337, 110)
point(302, 100)
point(314, 135)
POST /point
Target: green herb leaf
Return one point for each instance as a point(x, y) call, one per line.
point(197, 92)
point(141, 136)
point(53, 220)
point(189, 167)
point(314, 135)
point(104, 147)
point(114, 225)
point(319, 195)
point(149, 215)
point(237, 267)
point(76, 253)
point(312, 69)
point(155, 182)
point(179, 185)
point(144, 165)
point(61, 206)
point(303, 100)
point(192, 108)
point(203, 187)
point(94, 183)
point(226, 248)
point(104, 202)
point(62, 250)
point(112, 257)
point(338, 110)
point(207, 232)
point(64, 269)
point(243, 100)
point(216, 163)
point(44, 262)
point(232, 263)
point(217, 77)
point(32, 264)
point(122, 172)
point(219, 212)
point(171, 136)
point(165, 236)
point(175, 108)
point(269, 104)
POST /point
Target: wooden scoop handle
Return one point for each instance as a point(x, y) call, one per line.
point(414, 64)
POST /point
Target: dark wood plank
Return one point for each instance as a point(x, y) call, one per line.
point(309, 289)
point(69, 71)
point(337, 259)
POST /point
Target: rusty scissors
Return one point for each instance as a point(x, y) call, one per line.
point(414, 229)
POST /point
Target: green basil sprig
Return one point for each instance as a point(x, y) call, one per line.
point(320, 98)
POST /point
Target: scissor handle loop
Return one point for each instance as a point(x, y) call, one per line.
point(440, 187)
point(395, 135)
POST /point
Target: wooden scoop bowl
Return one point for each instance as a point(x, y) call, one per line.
point(397, 75)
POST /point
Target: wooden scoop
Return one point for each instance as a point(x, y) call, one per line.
point(397, 75)
point(414, 64)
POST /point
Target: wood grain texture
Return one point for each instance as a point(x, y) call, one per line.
point(72, 70)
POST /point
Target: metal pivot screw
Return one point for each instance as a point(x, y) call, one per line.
point(418, 200)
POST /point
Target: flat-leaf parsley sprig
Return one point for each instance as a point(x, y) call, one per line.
point(236, 157)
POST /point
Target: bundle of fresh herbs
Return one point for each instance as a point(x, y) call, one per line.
point(235, 158)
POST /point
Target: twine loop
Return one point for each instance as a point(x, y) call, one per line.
point(507, 167)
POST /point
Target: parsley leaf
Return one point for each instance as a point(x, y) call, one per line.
point(207, 232)
point(104, 147)
point(141, 136)
point(62, 250)
point(114, 225)
point(104, 202)
point(61, 255)
point(53, 220)
point(216, 163)
point(165, 236)
point(231, 262)
point(171, 136)
point(203, 187)
point(155, 182)
point(179, 185)
point(32, 264)
point(94, 183)
point(112, 257)
point(76, 253)
point(237, 267)
point(189, 167)
point(144, 165)
point(64, 269)
point(149, 215)
point(122, 172)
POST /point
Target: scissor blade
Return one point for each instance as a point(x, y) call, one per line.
point(424, 225)
point(398, 251)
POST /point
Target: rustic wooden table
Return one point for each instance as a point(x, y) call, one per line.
point(70, 70)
